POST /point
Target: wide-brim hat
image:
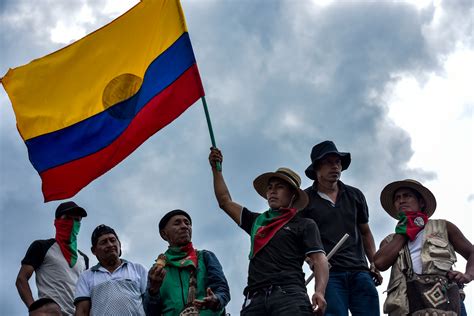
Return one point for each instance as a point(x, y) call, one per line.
point(321, 150)
point(69, 208)
point(261, 184)
point(386, 197)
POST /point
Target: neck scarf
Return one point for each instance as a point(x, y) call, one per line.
point(411, 223)
point(66, 237)
point(185, 256)
point(266, 225)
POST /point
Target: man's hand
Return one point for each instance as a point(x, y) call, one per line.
point(156, 275)
point(375, 274)
point(411, 223)
point(214, 157)
point(459, 277)
point(22, 285)
point(319, 304)
point(210, 301)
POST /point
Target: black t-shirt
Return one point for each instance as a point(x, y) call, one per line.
point(334, 221)
point(280, 261)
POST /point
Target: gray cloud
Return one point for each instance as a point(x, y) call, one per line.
point(280, 76)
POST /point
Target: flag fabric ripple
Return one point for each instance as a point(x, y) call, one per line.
point(84, 108)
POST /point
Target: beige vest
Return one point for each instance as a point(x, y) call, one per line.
point(437, 257)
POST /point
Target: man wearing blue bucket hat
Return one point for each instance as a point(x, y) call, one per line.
point(338, 209)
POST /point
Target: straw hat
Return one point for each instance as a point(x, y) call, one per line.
point(386, 197)
point(261, 184)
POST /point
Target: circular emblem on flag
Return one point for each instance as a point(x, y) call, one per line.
point(419, 222)
point(119, 89)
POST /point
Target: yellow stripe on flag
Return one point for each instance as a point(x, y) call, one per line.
point(67, 86)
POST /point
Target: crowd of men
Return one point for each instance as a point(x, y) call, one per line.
point(299, 226)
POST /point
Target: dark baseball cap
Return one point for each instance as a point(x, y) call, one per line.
point(69, 208)
point(101, 230)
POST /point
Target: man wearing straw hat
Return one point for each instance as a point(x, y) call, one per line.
point(337, 209)
point(280, 241)
point(421, 254)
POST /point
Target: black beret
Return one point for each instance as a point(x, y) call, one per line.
point(165, 219)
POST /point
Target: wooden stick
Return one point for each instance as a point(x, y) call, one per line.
point(331, 253)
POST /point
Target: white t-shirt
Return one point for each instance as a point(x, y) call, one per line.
point(415, 252)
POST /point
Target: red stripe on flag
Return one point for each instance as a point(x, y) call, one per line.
point(66, 180)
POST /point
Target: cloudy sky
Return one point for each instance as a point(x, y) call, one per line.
point(388, 81)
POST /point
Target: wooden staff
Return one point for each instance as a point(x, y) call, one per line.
point(331, 253)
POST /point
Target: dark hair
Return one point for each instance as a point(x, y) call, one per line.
point(40, 303)
point(101, 230)
point(317, 164)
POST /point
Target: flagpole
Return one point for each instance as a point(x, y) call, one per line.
point(209, 126)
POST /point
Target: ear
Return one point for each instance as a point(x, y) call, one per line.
point(317, 172)
point(93, 250)
point(163, 235)
point(120, 248)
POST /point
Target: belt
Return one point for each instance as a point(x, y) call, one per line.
point(267, 290)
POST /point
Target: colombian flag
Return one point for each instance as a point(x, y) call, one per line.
point(83, 109)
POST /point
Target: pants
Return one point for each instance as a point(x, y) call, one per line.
point(354, 291)
point(463, 309)
point(289, 300)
